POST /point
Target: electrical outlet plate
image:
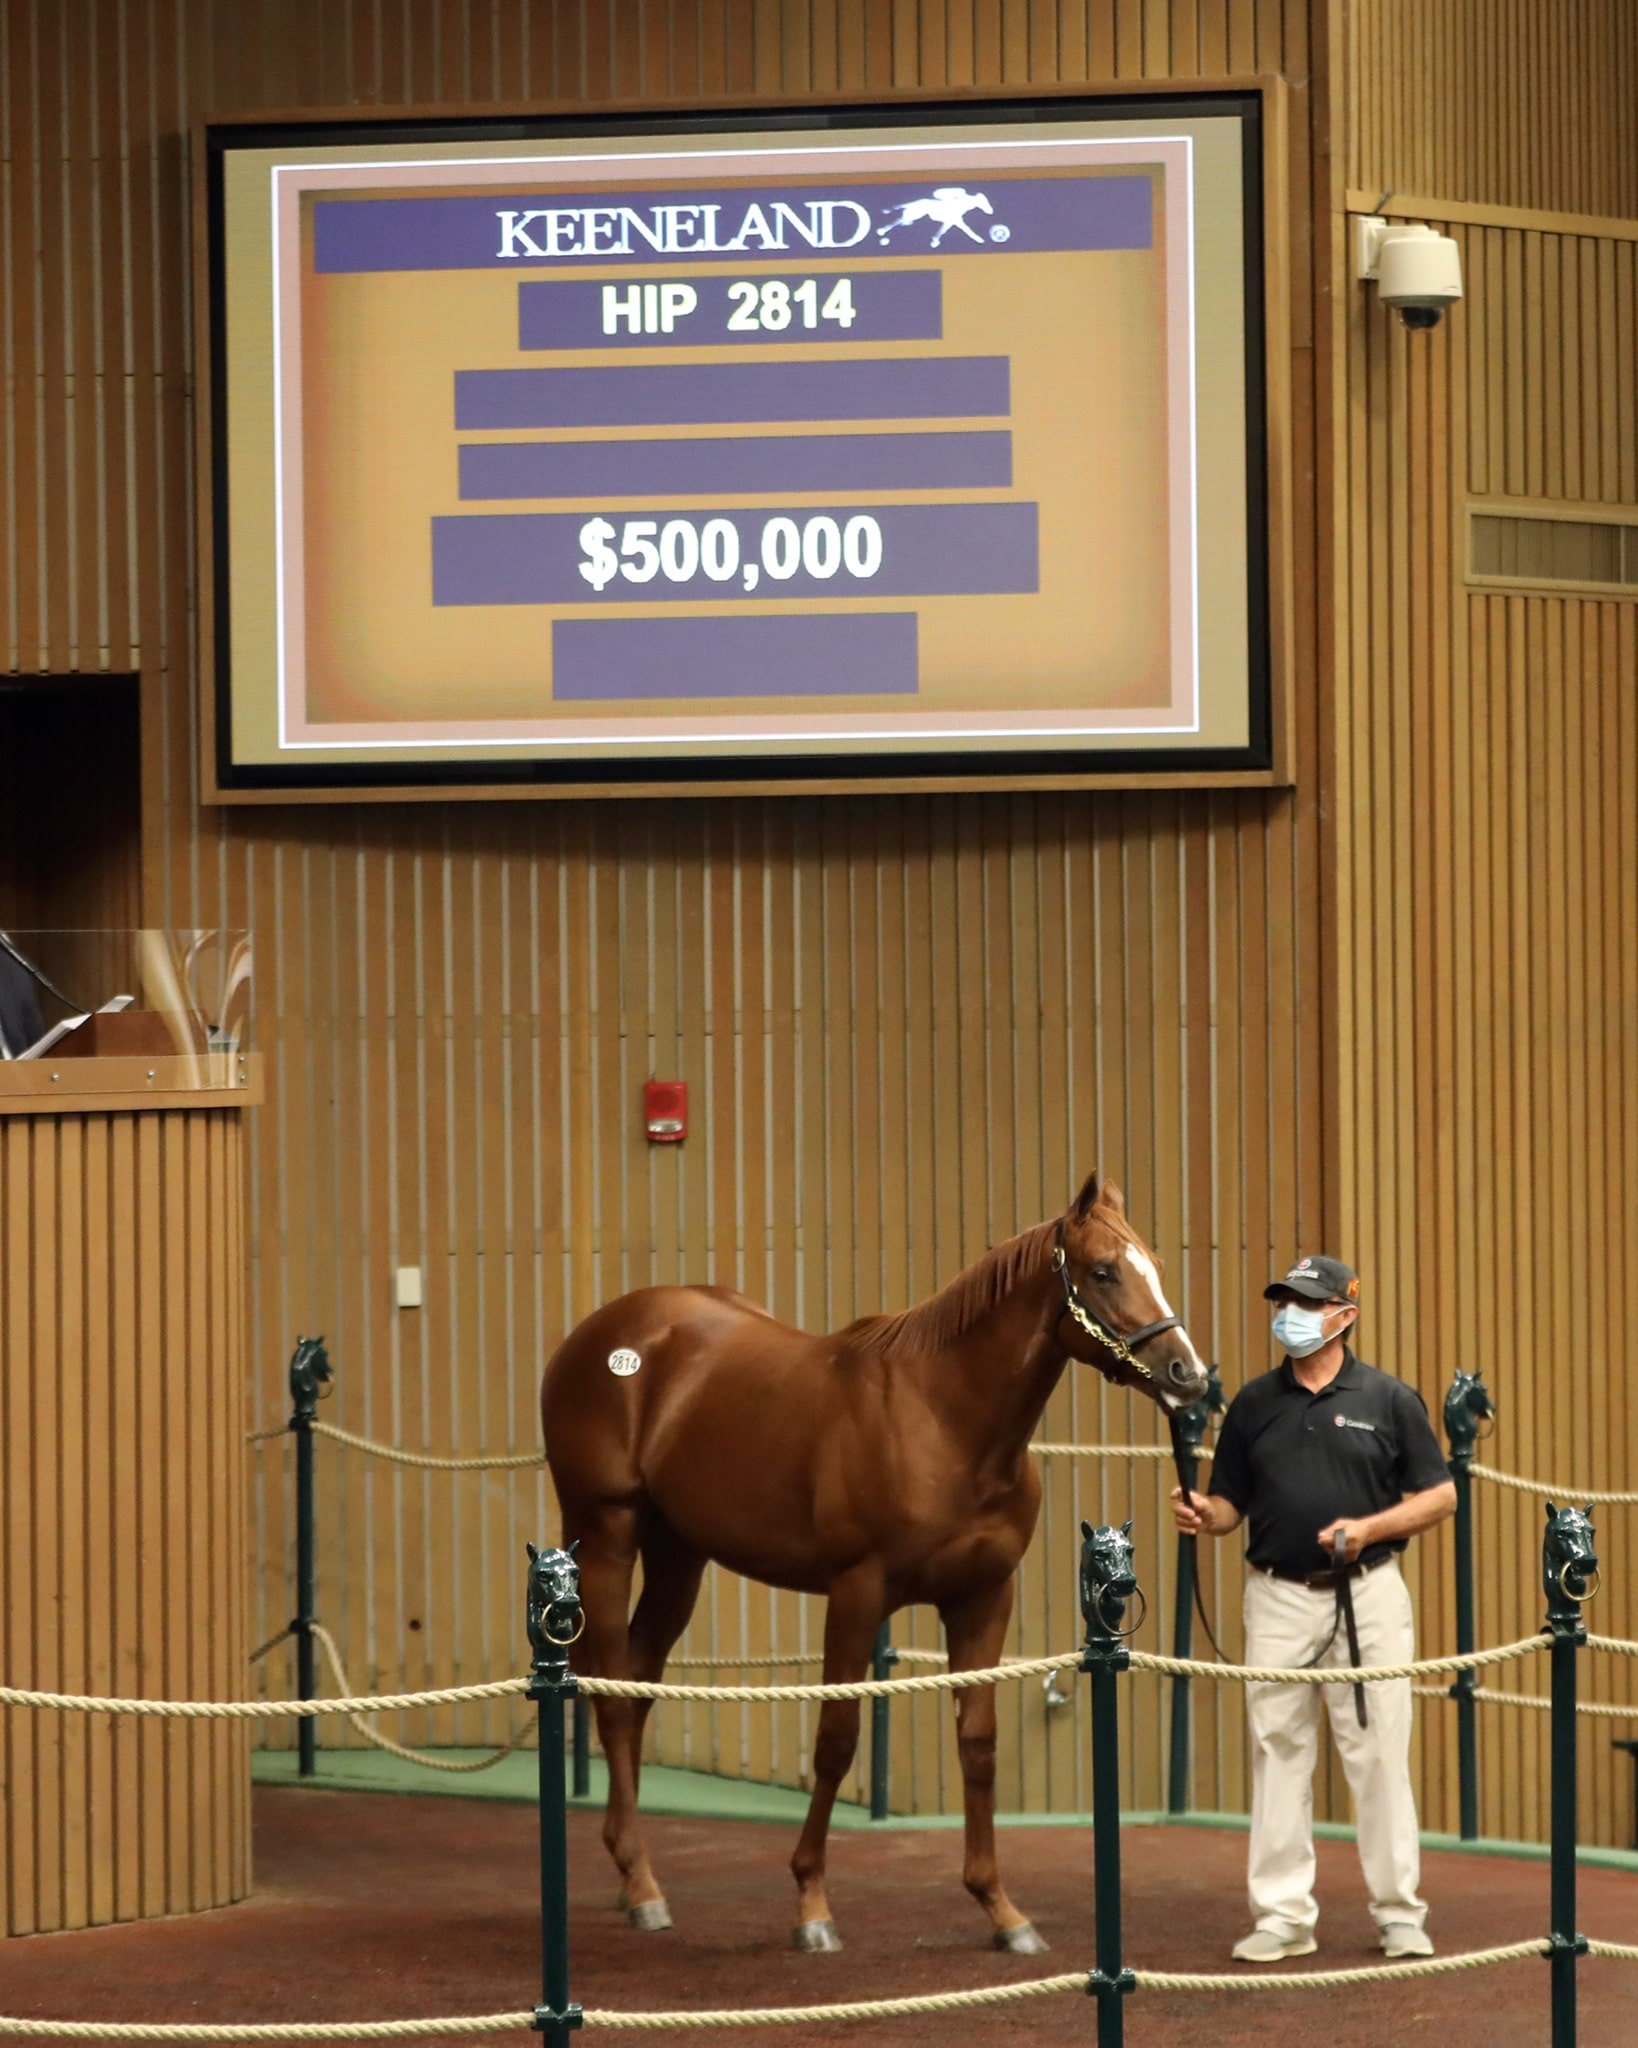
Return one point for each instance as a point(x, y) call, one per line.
point(408, 1287)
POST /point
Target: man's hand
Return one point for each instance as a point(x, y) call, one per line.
point(1358, 1534)
point(1192, 1516)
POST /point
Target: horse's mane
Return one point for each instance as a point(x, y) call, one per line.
point(949, 1314)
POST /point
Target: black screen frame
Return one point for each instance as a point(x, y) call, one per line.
point(602, 775)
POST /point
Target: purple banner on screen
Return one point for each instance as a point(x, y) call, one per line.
point(872, 654)
point(711, 465)
point(708, 394)
point(966, 213)
point(877, 305)
point(835, 552)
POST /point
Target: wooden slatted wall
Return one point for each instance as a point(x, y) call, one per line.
point(1499, 102)
point(908, 1027)
point(122, 1502)
point(1486, 868)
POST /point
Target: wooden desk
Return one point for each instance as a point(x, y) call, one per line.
point(122, 1462)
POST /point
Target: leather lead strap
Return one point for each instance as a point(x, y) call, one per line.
point(1345, 1610)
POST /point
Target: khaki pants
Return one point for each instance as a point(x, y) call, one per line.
point(1286, 1624)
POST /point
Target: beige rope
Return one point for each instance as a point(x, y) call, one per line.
point(1526, 1699)
point(859, 2009)
point(252, 1710)
point(1547, 1492)
point(1622, 1950)
point(748, 1663)
point(426, 1461)
point(1110, 1451)
point(1613, 1645)
point(284, 2030)
point(414, 1756)
point(1334, 1674)
point(861, 1689)
point(1326, 1980)
point(864, 1688)
point(261, 1436)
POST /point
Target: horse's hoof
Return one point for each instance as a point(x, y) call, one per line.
point(816, 1937)
point(650, 1916)
point(1021, 1940)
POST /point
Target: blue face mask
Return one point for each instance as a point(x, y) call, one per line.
point(1299, 1331)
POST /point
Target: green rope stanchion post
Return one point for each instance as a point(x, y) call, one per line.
point(555, 1619)
point(1466, 1405)
point(882, 1659)
point(1107, 1583)
point(309, 1370)
point(1191, 1426)
point(1569, 1575)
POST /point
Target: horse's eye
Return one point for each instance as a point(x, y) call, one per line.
point(1104, 1275)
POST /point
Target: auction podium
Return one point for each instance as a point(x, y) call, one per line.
point(122, 1452)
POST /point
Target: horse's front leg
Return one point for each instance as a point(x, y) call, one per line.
point(975, 1629)
point(852, 1617)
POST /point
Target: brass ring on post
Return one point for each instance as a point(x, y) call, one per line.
point(1580, 1599)
point(563, 1642)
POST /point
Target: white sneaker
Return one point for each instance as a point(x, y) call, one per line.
point(1401, 1939)
point(1262, 1945)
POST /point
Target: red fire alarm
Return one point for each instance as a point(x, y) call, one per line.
point(665, 1111)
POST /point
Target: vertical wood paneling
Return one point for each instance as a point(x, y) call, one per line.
point(121, 1507)
point(907, 1027)
point(1485, 776)
point(1524, 106)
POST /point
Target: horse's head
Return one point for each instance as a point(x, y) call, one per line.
point(555, 1617)
point(1466, 1405)
point(1114, 1313)
point(1108, 1579)
point(1569, 1562)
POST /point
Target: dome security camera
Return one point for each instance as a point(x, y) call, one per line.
point(1417, 270)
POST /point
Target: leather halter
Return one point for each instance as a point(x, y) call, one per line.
point(1121, 1348)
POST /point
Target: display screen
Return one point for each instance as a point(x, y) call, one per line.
point(841, 445)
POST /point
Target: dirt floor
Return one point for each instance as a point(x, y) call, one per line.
point(380, 1907)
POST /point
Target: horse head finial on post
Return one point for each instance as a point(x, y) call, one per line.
point(555, 1616)
point(1108, 1581)
point(1466, 1405)
point(1569, 1567)
point(309, 1370)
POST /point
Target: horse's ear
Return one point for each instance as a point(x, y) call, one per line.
point(1086, 1200)
point(1551, 1511)
point(1086, 1528)
point(1126, 1526)
point(573, 1547)
point(1113, 1198)
point(533, 1552)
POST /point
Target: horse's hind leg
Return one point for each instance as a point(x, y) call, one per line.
point(975, 1630)
point(671, 1584)
point(607, 1536)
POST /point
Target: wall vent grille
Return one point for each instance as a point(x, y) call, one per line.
point(1579, 547)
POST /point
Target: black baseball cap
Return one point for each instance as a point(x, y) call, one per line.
point(1316, 1280)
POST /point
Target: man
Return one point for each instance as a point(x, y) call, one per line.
point(1324, 1447)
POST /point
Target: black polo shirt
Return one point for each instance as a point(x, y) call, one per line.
point(1292, 1462)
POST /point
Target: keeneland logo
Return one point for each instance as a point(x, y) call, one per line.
point(677, 230)
point(1348, 1422)
point(949, 206)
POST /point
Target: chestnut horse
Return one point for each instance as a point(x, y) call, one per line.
point(883, 1465)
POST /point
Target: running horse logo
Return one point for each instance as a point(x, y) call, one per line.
point(949, 205)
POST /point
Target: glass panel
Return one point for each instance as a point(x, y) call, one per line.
point(180, 996)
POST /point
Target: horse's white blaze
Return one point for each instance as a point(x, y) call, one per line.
point(1145, 1267)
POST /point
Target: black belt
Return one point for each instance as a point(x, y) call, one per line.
point(1339, 1580)
point(1323, 1582)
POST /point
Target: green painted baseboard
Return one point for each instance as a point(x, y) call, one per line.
point(701, 1795)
